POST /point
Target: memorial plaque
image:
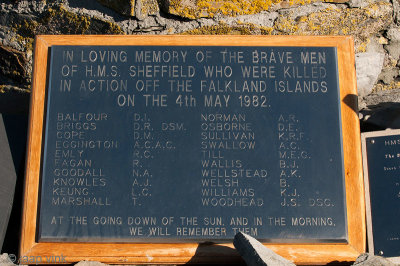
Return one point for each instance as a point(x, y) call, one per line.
point(381, 152)
point(192, 142)
point(147, 143)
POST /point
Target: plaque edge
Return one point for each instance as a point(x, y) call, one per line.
point(370, 235)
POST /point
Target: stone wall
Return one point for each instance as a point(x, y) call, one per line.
point(374, 24)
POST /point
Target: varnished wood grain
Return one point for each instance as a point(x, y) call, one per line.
point(191, 252)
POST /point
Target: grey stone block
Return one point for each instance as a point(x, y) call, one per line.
point(5, 260)
point(265, 19)
point(368, 68)
point(145, 8)
point(393, 49)
point(371, 260)
point(256, 254)
point(374, 46)
point(393, 34)
point(388, 75)
point(360, 3)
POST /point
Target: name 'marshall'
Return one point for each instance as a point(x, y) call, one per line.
point(80, 201)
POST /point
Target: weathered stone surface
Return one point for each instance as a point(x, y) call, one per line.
point(389, 96)
point(124, 7)
point(393, 49)
point(396, 11)
point(193, 9)
point(149, 25)
point(24, 6)
point(145, 8)
point(296, 13)
point(368, 68)
point(375, 46)
point(264, 19)
point(138, 8)
point(256, 254)
point(388, 75)
point(356, 3)
point(170, 26)
point(393, 34)
point(224, 29)
point(5, 260)
point(93, 9)
point(60, 19)
point(128, 26)
point(261, 23)
point(371, 260)
point(11, 62)
point(337, 1)
point(185, 8)
point(329, 19)
point(12, 67)
point(360, 3)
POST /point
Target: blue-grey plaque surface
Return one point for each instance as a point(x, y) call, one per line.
point(382, 171)
point(192, 143)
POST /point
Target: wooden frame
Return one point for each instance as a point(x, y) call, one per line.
point(190, 252)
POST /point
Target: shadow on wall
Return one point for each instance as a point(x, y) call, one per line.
point(16, 125)
point(94, 5)
point(351, 100)
point(340, 263)
point(217, 253)
point(385, 115)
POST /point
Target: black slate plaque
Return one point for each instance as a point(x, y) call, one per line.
point(382, 158)
point(171, 144)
